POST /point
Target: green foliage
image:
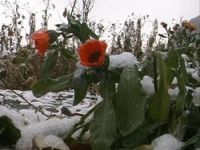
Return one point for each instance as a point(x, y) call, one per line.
point(103, 126)
point(9, 134)
point(44, 86)
point(159, 107)
point(138, 136)
point(80, 85)
point(49, 64)
point(127, 117)
point(129, 101)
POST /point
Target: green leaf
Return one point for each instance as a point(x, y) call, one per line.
point(80, 85)
point(138, 136)
point(130, 102)
point(103, 125)
point(172, 65)
point(180, 100)
point(9, 134)
point(49, 64)
point(183, 70)
point(67, 54)
point(159, 107)
point(80, 30)
point(190, 119)
point(44, 86)
point(192, 140)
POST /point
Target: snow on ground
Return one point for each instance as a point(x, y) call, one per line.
point(49, 141)
point(33, 123)
point(166, 142)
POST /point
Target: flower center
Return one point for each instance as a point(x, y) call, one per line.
point(94, 57)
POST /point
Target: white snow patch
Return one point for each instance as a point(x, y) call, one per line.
point(50, 141)
point(124, 59)
point(196, 96)
point(32, 116)
point(194, 73)
point(173, 93)
point(53, 126)
point(79, 69)
point(166, 142)
point(147, 85)
point(17, 119)
point(32, 123)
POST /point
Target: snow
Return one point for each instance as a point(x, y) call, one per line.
point(173, 92)
point(124, 59)
point(50, 141)
point(33, 123)
point(166, 142)
point(53, 126)
point(194, 73)
point(79, 69)
point(17, 119)
point(147, 85)
point(196, 96)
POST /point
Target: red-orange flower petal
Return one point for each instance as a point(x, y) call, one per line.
point(41, 40)
point(92, 53)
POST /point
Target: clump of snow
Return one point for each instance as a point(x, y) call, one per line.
point(173, 92)
point(194, 73)
point(166, 142)
point(53, 126)
point(79, 69)
point(147, 85)
point(175, 81)
point(124, 59)
point(49, 141)
point(31, 116)
point(196, 96)
point(17, 119)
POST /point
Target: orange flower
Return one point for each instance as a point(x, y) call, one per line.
point(41, 40)
point(92, 53)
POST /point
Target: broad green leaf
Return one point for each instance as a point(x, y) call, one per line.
point(44, 86)
point(49, 64)
point(182, 79)
point(159, 107)
point(103, 125)
point(80, 85)
point(9, 134)
point(130, 102)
